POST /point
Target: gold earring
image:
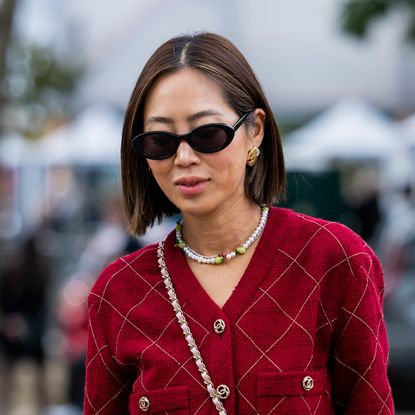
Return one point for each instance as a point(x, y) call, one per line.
point(252, 156)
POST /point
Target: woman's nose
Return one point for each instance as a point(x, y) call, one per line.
point(185, 154)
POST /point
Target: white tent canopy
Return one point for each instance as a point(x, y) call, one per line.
point(93, 138)
point(350, 130)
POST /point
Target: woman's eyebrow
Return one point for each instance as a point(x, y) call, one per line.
point(194, 117)
point(202, 114)
point(159, 119)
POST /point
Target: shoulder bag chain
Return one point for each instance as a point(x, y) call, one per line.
point(215, 394)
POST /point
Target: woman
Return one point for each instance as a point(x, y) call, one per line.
point(243, 309)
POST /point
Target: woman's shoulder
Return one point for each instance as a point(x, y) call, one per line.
point(134, 269)
point(311, 232)
point(328, 250)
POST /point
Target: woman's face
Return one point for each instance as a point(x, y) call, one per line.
point(198, 183)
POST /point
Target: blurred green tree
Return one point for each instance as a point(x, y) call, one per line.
point(359, 15)
point(7, 11)
point(36, 83)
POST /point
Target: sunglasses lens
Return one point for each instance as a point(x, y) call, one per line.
point(158, 145)
point(211, 138)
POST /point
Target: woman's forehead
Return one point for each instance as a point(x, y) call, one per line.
point(188, 93)
point(184, 83)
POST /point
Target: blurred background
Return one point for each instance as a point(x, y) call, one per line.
point(340, 76)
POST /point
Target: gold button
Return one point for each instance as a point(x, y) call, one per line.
point(308, 383)
point(223, 391)
point(144, 403)
point(219, 326)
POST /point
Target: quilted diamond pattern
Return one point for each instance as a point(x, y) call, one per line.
point(309, 304)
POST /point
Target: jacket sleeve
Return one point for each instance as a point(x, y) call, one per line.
point(360, 356)
point(106, 387)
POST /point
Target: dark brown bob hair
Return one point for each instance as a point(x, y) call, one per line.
point(218, 58)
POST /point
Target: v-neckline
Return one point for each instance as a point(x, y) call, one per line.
point(191, 293)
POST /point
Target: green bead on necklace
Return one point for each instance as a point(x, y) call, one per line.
point(220, 258)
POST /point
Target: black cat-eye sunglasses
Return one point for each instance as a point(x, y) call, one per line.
point(208, 138)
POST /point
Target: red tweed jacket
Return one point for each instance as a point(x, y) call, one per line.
point(302, 333)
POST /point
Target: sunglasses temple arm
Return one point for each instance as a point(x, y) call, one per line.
point(240, 121)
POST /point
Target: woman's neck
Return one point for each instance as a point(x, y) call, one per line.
point(221, 231)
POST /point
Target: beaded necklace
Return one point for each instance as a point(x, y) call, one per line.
point(220, 258)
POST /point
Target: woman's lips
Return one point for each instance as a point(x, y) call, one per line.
point(191, 185)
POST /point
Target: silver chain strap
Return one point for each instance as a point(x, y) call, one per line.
point(215, 394)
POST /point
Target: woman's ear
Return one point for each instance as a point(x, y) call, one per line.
point(257, 129)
